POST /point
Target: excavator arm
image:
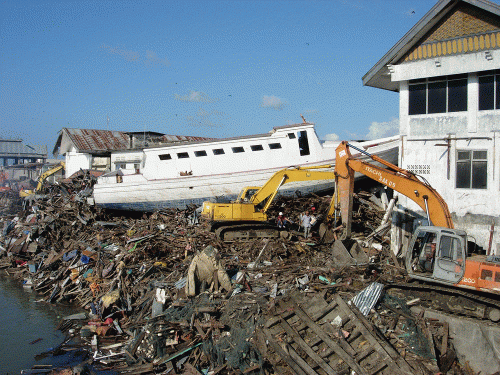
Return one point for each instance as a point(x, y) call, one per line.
point(269, 190)
point(391, 176)
point(49, 173)
point(41, 180)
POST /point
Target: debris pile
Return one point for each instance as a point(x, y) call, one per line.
point(159, 292)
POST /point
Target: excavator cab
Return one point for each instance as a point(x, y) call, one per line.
point(437, 254)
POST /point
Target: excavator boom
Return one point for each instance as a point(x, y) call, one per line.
point(244, 218)
point(393, 177)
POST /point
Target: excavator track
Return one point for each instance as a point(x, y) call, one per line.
point(451, 300)
point(246, 232)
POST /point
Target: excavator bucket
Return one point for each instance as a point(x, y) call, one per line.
point(348, 253)
point(326, 234)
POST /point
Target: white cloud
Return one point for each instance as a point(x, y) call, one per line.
point(127, 55)
point(195, 96)
point(332, 137)
point(153, 59)
point(273, 102)
point(203, 118)
point(383, 129)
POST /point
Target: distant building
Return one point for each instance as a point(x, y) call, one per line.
point(21, 160)
point(446, 70)
point(93, 148)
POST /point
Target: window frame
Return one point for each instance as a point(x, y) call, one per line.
point(428, 99)
point(483, 88)
point(473, 171)
point(237, 149)
point(200, 153)
point(165, 157)
point(218, 151)
point(275, 146)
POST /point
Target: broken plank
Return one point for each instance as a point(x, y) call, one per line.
point(284, 355)
point(328, 341)
point(300, 341)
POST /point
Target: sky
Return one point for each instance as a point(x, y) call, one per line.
point(202, 68)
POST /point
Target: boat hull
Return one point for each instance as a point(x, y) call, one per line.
point(136, 193)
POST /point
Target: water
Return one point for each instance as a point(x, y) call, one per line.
point(24, 320)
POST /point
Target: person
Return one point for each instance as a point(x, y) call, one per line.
point(281, 221)
point(427, 261)
point(306, 224)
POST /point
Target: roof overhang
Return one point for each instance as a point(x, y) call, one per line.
point(379, 75)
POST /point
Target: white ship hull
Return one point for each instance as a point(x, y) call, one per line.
point(171, 182)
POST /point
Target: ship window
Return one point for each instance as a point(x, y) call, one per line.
point(303, 143)
point(497, 277)
point(182, 155)
point(487, 275)
point(472, 168)
point(137, 168)
point(274, 146)
point(237, 149)
point(257, 147)
point(218, 151)
point(165, 157)
point(291, 135)
point(200, 153)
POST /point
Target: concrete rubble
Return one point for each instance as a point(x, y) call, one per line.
point(160, 293)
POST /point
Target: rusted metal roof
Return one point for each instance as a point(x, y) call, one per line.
point(184, 138)
point(97, 140)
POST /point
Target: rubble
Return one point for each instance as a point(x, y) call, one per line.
point(159, 292)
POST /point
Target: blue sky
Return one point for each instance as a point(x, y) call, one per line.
point(205, 68)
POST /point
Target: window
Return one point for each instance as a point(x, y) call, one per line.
point(182, 155)
point(237, 149)
point(137, 167)
point(303, 143)
point(489, 90)
point(121, 166)
point(486, 275)
point(256, 148)
point(165, 157)
point(218, 151)
point(291, 135)
point(472, 169)
point(274, 146)
point(438, 95)
point(200, 153)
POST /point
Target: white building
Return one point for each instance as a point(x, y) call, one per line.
point(92, 148)
point(447, 72)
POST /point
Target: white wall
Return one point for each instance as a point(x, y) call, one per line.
point(76, 161)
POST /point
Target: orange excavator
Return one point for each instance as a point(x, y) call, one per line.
point(436, 253)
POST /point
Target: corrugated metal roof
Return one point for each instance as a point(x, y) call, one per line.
point(184, 138)
point(97, 140)
point(16, 147)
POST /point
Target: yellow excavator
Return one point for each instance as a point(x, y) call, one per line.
point(246, 218)
point(41, 180)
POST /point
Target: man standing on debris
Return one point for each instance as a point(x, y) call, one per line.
point(306, 224)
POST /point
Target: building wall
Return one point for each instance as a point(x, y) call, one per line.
point(76, 161)
point(431, 142)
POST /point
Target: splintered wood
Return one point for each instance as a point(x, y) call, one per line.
point(314, 337)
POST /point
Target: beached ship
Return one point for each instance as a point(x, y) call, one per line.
point(177, 175)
